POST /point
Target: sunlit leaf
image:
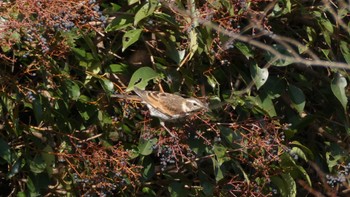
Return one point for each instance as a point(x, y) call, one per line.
point(130, 2)
point(130, 37)
point(48, 157)
point(145, 11)
point(244, 49)
point(118, 68)
point(119, 23)
point(193, 42)
point(338, 86)
point(73, 89)
point(299, 152)
point(345, 50)
point(107, 85)
point(259, 75)
point(280, 184)
point(146, 147)
point(141, 77)
point(308, 153)
point(291, 185)
point(264, 102)
point(219, 175)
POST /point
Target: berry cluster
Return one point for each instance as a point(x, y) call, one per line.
point(341, 177)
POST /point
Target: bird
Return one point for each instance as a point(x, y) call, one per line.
point(168, 107)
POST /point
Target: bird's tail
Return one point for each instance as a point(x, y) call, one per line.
point(127, 97)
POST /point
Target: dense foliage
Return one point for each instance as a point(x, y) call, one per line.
point(274, 73)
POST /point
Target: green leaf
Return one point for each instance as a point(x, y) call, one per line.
point(219, 150)
point(327, 38)
point(73, 89)
point(259, 75)
point(311, 33)
point(148, 170)
point(264, 102)
point(272, 58)
point(130, 37)
point(5, 152)
point(297, 97)
point(208, 188)
point(82, 54)
point(37, 165)
point(285, 185)
point(120, 23)
point(133, 153)
point(146, 147)
point(48, 157)
point(115, 7)
point(212, 81)
point(21, 194)
point(148, 191)
point(130, 2)
point(308, 153)
point(177, 189)
point(299, 152)
point(118, 68)
point(193, 42)
point(141, 77)
point(345, 50)
point(38, 109)
point(274, 87)
point(290, 185)
point(244, 49)
point(288, 6)
point(327, 25)
point(86, 111)
point(338, 86)
point(145, 11)
point(218, 168)
point(15, 168)
point(107, 85)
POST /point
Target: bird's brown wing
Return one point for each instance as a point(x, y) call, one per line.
point(169, 104)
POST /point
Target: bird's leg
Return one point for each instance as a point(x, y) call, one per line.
point(163, 125)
